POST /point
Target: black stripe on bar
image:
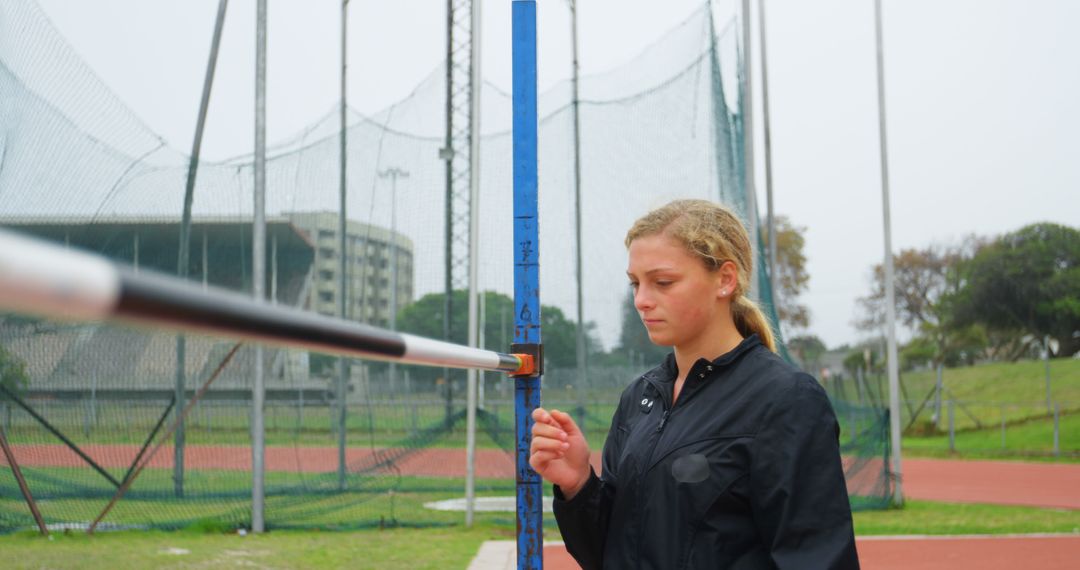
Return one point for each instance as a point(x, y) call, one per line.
point(164, 299)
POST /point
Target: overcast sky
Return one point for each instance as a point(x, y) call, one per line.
point(983, 122)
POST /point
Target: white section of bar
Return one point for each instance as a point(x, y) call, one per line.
point(47, 280)
point(436, 352)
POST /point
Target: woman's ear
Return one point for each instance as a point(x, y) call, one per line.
point(727, 279)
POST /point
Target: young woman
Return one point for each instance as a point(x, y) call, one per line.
point(724, 455)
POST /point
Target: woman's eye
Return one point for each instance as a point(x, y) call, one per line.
point(663, 283)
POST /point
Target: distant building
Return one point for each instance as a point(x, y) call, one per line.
point(373, 254)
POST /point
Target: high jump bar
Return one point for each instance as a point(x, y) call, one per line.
point(48, 280)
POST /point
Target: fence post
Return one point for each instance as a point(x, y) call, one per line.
point(1057, 432)
point(413, 418)
point(86, 418)
point(952, 425)
point(1046, 368)
point(1003, 427)
point(937, 396)
point(851, 422)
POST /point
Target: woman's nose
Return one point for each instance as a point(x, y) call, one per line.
point(643, 300)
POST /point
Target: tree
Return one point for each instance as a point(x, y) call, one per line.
point(808, 350)
point(790, 275)
point(1027, 281)
point(927, 282)
point(424, 318)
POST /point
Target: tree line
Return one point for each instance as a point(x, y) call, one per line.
point(999, 298)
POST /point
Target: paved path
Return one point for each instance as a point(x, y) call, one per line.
point(1041, 552)
point(991, 482)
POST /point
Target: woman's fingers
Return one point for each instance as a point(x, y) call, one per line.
point(540, 460)
point(548, 444)
point(544, 430)
point(543, 417)
point(564, 421)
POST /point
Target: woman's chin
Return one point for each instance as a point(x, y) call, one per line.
point(660, 339)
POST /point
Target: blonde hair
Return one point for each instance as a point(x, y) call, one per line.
point(715, 235)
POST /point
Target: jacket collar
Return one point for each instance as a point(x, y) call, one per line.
point(668, 370)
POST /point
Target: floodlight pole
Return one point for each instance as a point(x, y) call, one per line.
point(576, 106)
point(393, 174)
point(890, 286)
point(748, 147)
point(474, 258)
point(185, 242)
point(258, 274)
point(530, 528)
point(342, 364)
point(770, 216)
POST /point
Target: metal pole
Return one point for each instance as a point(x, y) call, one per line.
point(342, 368)
point(185, 241)
point(890, 286)
point(937, 394)
point(952, 425)
point(273, 270)
point(258, 274)
point(526, 278)
point(770, 219)
point(1046, 368)
point(1057, 430)
point(748, 145)
point(482, 343)
point(393, 174)
point(36, 277)
point(23, 487)
point(1003, 427)
point(447, 154)
point(581, 355)
point(474, 257)
point(205, 266)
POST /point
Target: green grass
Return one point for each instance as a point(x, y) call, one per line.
point(293, 500)
point(1030, 439)
point(1017, 388)
point(925, 517)
point(435, 548)
point(985, 396)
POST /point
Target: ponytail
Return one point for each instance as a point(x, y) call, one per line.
point(749, 319)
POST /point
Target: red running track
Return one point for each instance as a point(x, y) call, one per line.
point(996, 482)
point(1053, 485)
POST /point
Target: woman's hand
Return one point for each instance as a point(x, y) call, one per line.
point(559, 452)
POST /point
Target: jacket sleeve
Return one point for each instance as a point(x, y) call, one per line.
point(798, 492)
point(583, 520)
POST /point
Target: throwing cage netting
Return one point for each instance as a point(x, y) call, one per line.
point(78, 168)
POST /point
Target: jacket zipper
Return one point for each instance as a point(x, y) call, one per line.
point(660, 428)
point(668, 408)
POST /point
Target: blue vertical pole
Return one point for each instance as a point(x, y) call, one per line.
point(530, 540)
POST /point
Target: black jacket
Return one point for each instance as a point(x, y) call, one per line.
point(743, 472)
